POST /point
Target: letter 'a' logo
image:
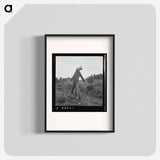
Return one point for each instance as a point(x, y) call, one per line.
point(8, 8)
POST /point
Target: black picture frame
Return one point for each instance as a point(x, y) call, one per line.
point(113, 96)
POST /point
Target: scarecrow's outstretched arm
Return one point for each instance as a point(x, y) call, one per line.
point(81, 76)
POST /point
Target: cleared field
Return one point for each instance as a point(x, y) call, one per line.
point(91, 94)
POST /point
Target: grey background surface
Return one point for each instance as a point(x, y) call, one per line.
point(134, 29)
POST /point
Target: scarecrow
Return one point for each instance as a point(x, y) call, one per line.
point(75, 88)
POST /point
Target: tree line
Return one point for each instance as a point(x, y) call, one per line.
point(89, 79)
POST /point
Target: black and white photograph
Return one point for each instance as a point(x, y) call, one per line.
point(79, 82)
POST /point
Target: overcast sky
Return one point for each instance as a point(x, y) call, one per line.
point(66, 65)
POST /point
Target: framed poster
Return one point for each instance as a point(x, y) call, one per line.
point(79, 83)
